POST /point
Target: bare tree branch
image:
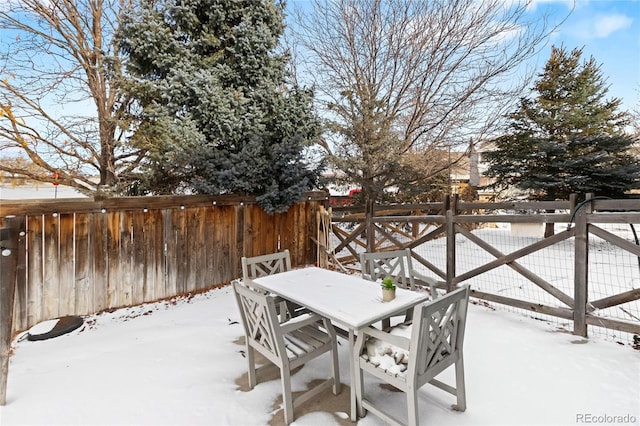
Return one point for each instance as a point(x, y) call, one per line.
point(59, 105)
point(406, 77)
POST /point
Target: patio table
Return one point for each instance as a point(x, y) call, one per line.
point(349, 301)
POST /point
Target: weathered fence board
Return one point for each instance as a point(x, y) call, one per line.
point(99, 269)
point(34, 272)
point(85, 256)
point(11, 241)
point(52, 266)
point(83, 280)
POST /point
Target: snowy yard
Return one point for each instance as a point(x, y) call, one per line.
point(182, 362)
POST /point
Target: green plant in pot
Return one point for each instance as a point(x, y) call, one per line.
point(388, 289)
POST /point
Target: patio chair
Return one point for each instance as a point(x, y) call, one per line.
point(269, 264)
point(435, 343)
point(286, 345)
point(398, 265)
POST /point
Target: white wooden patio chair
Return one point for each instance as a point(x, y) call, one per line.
point(269, 264)
point(398, 265)
point(286, 345)
point(437, 337)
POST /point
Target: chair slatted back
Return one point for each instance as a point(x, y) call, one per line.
point(395, 264)
point(438, 332)
point(259, 319)
point(268, 264)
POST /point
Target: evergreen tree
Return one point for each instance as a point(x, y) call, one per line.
point(568, 139)
point(214, 109)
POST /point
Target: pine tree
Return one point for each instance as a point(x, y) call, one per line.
point(215, 111)
point(568, 139)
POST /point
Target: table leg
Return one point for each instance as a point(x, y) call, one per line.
point(352, 372)
point(358, 378)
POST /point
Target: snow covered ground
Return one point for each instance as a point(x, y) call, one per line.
point(181, 363)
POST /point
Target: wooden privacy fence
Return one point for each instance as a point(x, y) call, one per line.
point(11, 240)
point(82, 256)
point(433, 230)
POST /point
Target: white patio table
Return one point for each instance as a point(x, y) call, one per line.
point(349, 301)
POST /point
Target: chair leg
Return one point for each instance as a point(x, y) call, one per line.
point(287, 397)
point(412, 406)
point(461, 394)
point(386, 324)
point(408, 318)
point(359, 385)
point(335, 368)
point(252, 367)
point(283, 312)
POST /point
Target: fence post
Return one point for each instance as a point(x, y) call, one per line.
point(446, 204)
point(451, 204)
point(9, 236)
point(451, 250)
point(573, 201)
point(581, 270)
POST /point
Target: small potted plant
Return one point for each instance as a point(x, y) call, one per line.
point(388, 289)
